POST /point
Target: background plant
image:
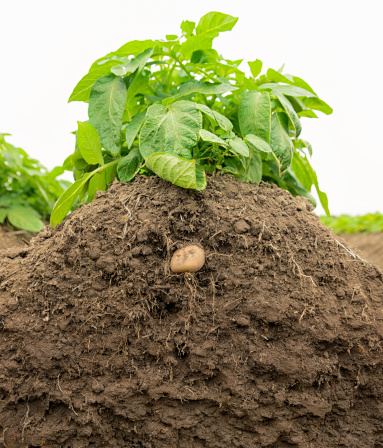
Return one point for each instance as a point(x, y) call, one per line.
point(177, 108)
point(28, 191)
point(370, 223)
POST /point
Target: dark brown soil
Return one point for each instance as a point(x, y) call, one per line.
point(275, 342)
point(369, 245)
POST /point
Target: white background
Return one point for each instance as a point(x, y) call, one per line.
point(47, 46)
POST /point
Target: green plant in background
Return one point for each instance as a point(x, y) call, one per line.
point(27, 190)
point(370, 223)
point(178, 109)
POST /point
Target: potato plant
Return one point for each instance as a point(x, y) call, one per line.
point(28, 191)
point(370, 223)
point(178, 109)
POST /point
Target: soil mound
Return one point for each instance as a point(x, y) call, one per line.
point(275, 342)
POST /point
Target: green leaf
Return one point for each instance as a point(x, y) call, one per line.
point(255, 67)
point(322, 199)
point(93, 186)
point(296, 188)
point(135, 47)
point(83, 192)
point(106, 107)
point(293, 117)
point(2, 137)
point(223, 122)
point(297, 104)
point(204, 57)
point(56, 171)
point(257, 143)
point(302, 171)
point(137, 82)
point(67, 164)
point(77, 173)
point(194, 43)
point(172, 129)
point(253, 170)
point(317, 104)
point(280, 141)
point(187, 27)
point(82, 90)
point(140, 84)
point(307, 113)
point(182, 172)
point(89, 143)
point(255, 114)
point(10, 201)
point(275, 76)
point(123, 69)
point(3, 215)
point(206, 88)
point(211, 138)
point(78, 162)
point(299, 143)
point(24, 217)
point(130, 165)
point(96, 183)
point(110, 173)
point(67, 199)
point(133, 128)
point(212, 23)
point(234, 165)
point(142, 60)
point(306, 174)
point(287, 90)
point(239, 146)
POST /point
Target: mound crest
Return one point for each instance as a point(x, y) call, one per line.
point(275, 342)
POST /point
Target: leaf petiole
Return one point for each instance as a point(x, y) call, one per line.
point(174, 56)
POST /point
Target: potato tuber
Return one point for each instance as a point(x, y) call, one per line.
point(188, 259)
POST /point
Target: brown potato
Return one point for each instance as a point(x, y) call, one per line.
point(187, 259)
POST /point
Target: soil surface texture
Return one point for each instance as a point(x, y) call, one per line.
point(276, 342)
point(9, 239)
point(369, 245)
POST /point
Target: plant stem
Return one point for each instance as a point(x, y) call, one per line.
point(212, 101)
point(207, 75)
point(102, 167)
point(174, 56)
point(168, 79)
point(221, 157)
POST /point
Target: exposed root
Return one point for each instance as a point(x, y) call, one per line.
point(26, 422)
point(7, 277)
point(128, 216)
point(352, 253)
point(297, 270)
point(310, 309)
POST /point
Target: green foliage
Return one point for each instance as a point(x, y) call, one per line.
point(106, 107)
point(370, 223)
point(27, 190)
point(182, 172)
point(89, 143)
point(176, 108)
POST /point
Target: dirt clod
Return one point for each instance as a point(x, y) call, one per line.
point(275, 342)
point(241, 226)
